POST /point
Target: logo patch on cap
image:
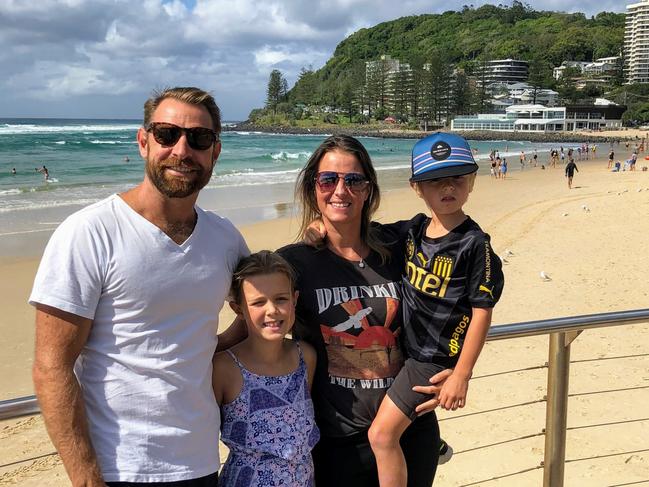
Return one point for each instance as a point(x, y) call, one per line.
point(440, 151)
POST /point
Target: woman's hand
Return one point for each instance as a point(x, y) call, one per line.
point(433, 390)
point(315, 233)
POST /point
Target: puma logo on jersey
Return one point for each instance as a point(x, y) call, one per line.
point(490, 292)
point(422, 259)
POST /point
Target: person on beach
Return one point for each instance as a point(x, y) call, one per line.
point(571, 167)
point(453, 280)
point(127, 298)
point(262, 384)
point(349, 310)
point(522, 159)
point(611, 158)
point(492, 171)
point(535, 157)
point(503, 168)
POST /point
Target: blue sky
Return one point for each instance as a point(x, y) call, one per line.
point(102, 58)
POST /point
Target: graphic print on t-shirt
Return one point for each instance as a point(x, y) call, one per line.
point(431, 279)
point(356, 348)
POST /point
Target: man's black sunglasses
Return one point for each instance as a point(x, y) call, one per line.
point(167, 134)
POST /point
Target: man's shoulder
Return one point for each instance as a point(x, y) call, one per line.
point(93, 214)
point(216, 221)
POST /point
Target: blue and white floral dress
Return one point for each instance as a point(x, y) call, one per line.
point(270, 431)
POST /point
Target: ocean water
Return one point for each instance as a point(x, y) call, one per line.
point(87, 161)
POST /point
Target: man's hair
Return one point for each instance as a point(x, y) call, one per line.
point(305, 187)
point(189, 95)
point(260, 263)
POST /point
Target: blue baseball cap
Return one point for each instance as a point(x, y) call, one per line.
point(441, 155)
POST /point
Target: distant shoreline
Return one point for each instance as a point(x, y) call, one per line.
point(392, 133)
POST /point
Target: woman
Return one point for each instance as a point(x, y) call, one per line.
point(348, 309)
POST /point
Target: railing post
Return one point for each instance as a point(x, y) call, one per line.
point(556, 410)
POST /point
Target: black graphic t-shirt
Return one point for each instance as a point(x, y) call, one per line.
point(444, 278)
point(351, 314)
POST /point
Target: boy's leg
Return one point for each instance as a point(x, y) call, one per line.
point(384, 435)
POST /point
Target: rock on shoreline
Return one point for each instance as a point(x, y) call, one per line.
point(391, 133)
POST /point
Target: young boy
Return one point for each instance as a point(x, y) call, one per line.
point(453, 280)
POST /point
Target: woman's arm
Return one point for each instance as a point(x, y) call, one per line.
point(310, 357)
point(233, 334)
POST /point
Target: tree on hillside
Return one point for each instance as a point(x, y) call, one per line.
point(276, 91)
point(566, 86)
point(418, 74)
point(461, 98)
point(377, 81)
point(481, 96)
point(401, 88)
point(305, 90)
point(437, 88)
point(540, 76)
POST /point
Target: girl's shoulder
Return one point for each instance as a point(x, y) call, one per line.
point(227, 379)
point(223, 360)
point(308, 351)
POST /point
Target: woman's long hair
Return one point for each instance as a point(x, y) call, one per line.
point(305, 187)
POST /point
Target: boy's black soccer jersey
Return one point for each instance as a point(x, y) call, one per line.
point(444, 279)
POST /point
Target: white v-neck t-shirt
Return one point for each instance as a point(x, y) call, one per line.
point(146, 369)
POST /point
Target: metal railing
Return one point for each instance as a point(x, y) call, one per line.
point(562, 332)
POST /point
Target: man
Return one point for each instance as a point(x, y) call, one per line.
point(128, 294)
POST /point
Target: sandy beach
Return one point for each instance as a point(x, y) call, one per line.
point(597, 258)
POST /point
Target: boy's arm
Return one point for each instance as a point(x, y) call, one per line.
point(454, 390)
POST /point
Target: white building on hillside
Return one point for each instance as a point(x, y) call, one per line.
point(537, 118)
point(599, 67)
point(636, 42)
point(506, 94)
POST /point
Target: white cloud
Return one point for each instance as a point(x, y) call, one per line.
point(61, 50)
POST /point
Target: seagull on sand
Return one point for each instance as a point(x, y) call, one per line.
point(545, 277)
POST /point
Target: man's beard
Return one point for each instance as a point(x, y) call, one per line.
point(173, 187)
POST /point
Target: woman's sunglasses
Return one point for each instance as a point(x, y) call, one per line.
point(328, 180)
point(167, 134)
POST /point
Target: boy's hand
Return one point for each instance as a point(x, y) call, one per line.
point(453, 392)
point(315, 233)
point(433, 390)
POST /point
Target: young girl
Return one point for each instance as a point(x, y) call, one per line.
point(262, 384)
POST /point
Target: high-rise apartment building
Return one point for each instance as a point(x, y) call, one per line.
point(636, 42)
point(502, 70)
